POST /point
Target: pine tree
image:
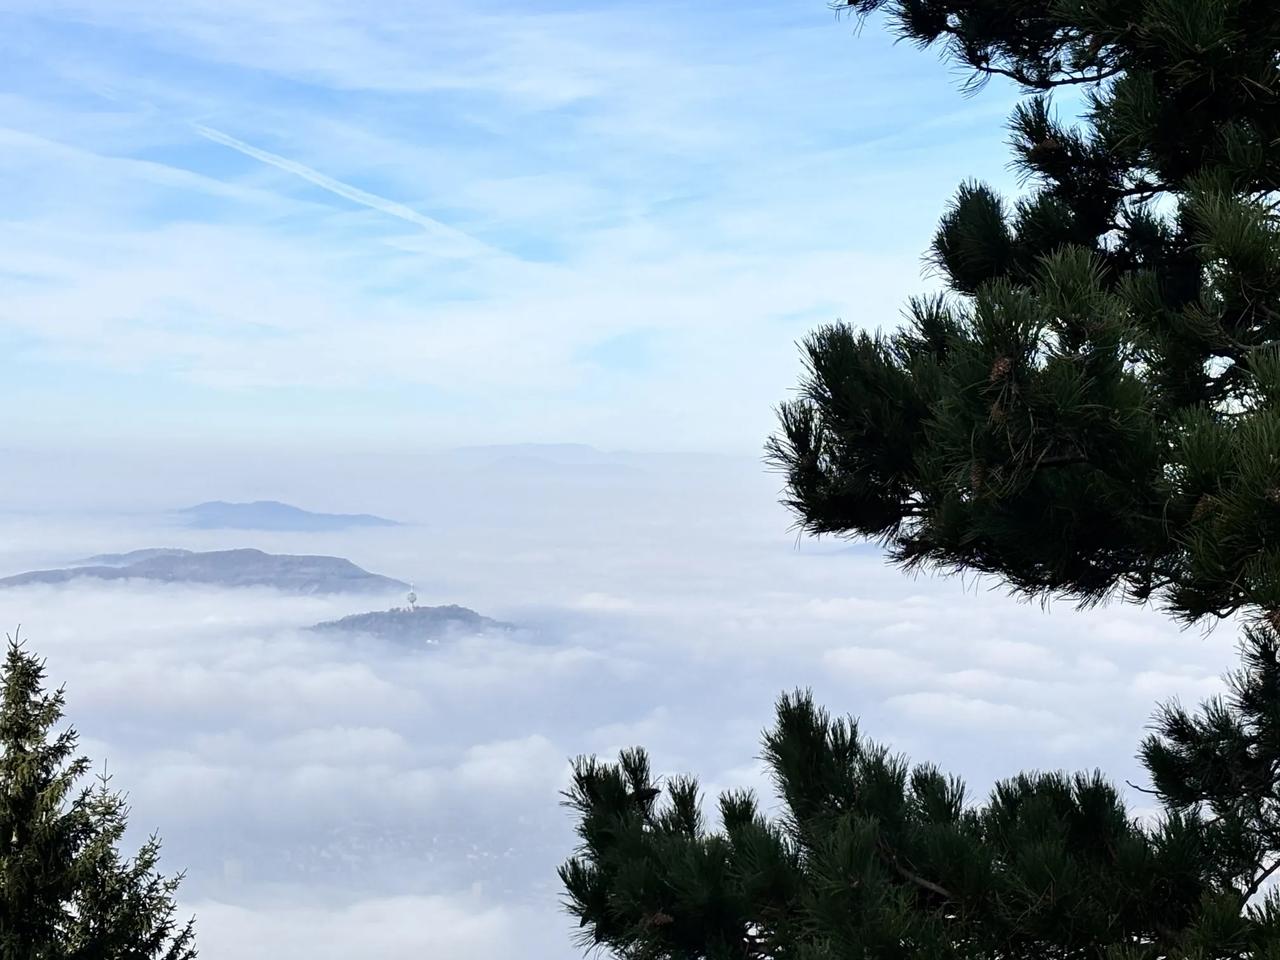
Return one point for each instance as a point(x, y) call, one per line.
point(1088, 409)
point(873, 858)
point(1090, 406)
point(65, 891)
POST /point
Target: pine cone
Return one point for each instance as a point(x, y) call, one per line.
point(1049, 145)
point(1203, 506)
point(1000, 369)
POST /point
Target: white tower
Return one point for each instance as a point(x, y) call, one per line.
point(412, 598)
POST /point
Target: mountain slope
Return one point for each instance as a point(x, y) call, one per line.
point(225, 568)
point(133, 556)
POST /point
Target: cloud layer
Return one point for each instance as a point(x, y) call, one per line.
point(473, 222)
point(324, 793)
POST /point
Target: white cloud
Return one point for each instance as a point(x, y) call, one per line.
point(604, 603)
point(1017, 656)
point(878, 666)
point(971, 712)
point(173, 218)
point(408, 927)
point(531, 762)
point(313, 788)
point(1185, 683)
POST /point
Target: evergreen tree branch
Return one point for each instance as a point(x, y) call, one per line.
point(1258, 881)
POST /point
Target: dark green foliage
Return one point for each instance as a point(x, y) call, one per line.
point(65, 891)
point(1091, 406)
point(872, 858)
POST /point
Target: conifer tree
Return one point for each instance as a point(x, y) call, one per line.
point(1091, 407)
point(1091, 404)
point(872, 858)
point(66, 893)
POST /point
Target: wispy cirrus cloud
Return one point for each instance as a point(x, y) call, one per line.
point(268, 207)
point(452, 242)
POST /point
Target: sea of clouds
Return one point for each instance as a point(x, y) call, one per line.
point(333, 797)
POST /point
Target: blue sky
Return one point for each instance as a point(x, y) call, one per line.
point(313, 222)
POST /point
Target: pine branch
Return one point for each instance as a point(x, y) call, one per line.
point(1047, 83)
point(921, 882)
point(1258, 881)
point(891, 859)
point(1061, 460)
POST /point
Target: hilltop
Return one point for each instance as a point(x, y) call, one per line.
point(415, 624)
point(273, 515)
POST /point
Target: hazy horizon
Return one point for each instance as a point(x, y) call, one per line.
point(327, 795)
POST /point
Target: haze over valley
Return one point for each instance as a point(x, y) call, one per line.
point(325, 789)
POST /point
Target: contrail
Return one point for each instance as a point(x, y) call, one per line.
point(469, 243)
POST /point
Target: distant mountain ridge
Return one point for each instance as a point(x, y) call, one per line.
point(133, 556)
point(273, 515)
point(421, 624)
point(225, 568)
